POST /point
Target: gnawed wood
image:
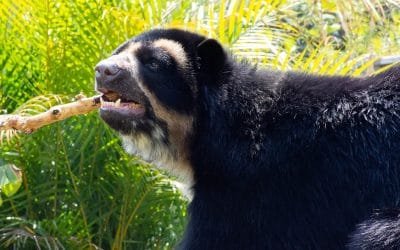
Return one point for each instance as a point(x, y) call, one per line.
point(9, 124)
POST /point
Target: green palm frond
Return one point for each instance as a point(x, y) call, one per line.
point(24, 234)
point(40, 104)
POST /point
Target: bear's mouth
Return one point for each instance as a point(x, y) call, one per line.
point(112, 101)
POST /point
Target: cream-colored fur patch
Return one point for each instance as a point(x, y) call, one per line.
point(174, 49)
point(133, 47)
point(126, 58)
point(179, 130)
point(156, 152)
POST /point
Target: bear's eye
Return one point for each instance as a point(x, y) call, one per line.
point(153, 64)
point(154, 59)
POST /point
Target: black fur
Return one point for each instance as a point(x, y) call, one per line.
point(380, 232)
point(286, 160)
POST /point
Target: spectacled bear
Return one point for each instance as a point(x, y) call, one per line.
point(277, 160)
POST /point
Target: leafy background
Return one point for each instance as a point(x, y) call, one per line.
point(79, 189)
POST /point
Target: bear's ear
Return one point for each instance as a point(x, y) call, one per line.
point(212, 57)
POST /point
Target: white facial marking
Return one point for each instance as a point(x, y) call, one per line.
point(126, 58)
point(174, 49)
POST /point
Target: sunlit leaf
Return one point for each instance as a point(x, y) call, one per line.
point(10, 179)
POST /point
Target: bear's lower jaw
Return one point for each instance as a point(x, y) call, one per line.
point(132, 110)
point(123, 120)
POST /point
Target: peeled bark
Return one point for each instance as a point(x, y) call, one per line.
point(9, 124)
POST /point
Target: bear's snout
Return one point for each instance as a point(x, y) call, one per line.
point(106, 71)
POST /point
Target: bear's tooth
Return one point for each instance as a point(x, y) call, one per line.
point(134, 105)
point(118, 103)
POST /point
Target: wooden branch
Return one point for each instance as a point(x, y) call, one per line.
point(28, 124)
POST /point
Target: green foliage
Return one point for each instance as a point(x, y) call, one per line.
point(10, 180)
point(79, 189)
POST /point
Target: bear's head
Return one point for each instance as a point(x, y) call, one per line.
point(150, 92)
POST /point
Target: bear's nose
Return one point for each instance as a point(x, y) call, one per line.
point(106, 70)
